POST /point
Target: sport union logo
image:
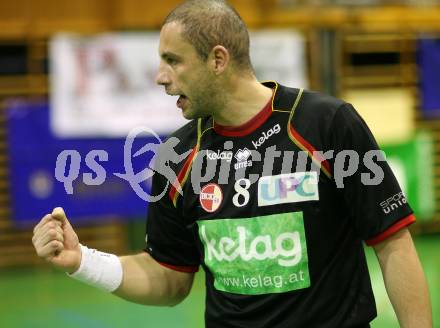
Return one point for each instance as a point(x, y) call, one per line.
point(211, 197)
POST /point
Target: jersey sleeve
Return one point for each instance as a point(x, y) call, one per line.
point(372, 195)
point(169, 242)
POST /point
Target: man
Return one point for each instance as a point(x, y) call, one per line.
point(277, 226)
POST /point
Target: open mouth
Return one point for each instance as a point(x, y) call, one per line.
point(181, 101)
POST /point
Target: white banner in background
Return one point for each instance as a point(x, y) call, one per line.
point(103, 86)
point(280, 55)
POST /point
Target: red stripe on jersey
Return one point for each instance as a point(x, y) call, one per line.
point(391, 230)
point(182, 176)
point(188, 269)
point(315, 156)
point(248, 127)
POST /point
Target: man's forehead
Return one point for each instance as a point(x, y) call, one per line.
point(171, 40)
point(172, 28)
point(171, 33)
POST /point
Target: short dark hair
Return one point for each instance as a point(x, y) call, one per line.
point(207, 23)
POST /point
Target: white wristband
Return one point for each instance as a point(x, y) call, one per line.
point(98, 269)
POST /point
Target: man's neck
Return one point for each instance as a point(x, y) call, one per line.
point(246, 98)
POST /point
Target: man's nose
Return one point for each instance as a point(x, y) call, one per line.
point(162, 77)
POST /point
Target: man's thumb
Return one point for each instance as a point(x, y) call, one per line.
point(58, 214)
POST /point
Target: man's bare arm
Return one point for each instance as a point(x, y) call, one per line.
point(144, 280)
point(404, 280)
point(147, 282)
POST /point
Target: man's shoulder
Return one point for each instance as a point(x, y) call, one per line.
point(320, 101)
point(187, 137)
point(314, 116)
point(177, 144)
point(187, 134)
point(313, 106)
point(306, 101)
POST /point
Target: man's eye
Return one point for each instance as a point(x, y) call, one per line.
point(171, 61)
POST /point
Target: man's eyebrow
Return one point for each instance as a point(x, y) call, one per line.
point(168, 55)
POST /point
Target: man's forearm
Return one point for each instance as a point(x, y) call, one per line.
point(147, 282)
point(405, 281)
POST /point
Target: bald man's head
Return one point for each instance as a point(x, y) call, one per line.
point(207, 23)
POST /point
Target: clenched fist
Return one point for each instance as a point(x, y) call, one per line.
point(55, 240)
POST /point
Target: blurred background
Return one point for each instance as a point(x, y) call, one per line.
point(77, 76)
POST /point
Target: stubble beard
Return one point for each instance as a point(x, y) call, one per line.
point(207, 101)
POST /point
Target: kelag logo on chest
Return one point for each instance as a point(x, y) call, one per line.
point(258, 255)
point(288, 188)
point(266, 135)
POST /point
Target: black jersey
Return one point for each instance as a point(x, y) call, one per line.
point(276, 215)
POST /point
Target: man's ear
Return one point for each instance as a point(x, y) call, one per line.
point(219, 59)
